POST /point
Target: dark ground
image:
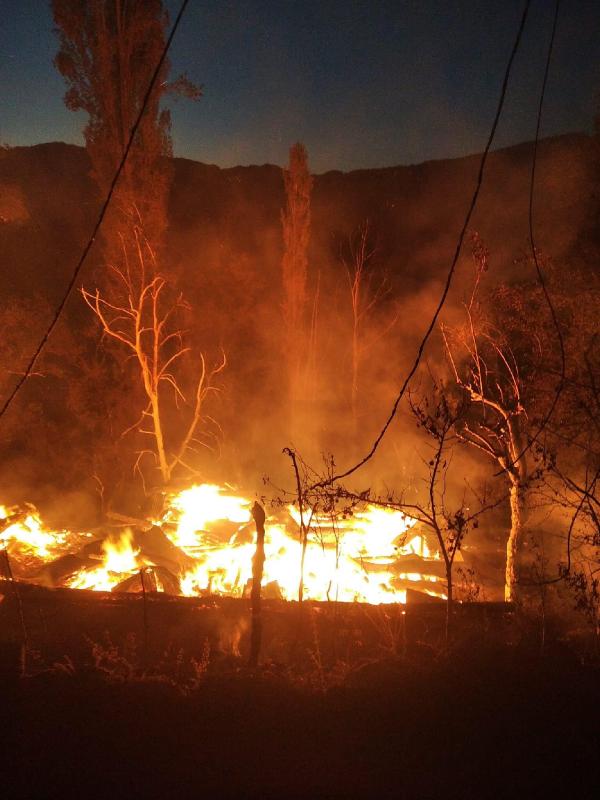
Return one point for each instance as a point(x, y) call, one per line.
point(489, 717)
point(479, 728)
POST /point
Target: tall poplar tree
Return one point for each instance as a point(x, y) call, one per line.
point(295, 220)
point(108, 51)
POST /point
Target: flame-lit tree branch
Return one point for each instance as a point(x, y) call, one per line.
point(329, 502)
point(142, 319)
point(450, 526)
point(487, 376)
point(304, 528)
point(581, 568)
point(504, 360)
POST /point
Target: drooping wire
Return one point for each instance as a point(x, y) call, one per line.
point(540, 275)
point(453, 264)
point(100, 219)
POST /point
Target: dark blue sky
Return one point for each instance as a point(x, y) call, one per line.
point(361, 83)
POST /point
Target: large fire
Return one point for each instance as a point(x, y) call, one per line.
point(204, 544)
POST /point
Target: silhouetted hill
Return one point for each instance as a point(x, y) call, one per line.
point(48, 205)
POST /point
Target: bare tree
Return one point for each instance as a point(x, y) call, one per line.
point(440, 416)
point(108, 52)
point(449, 527)
point(486, 373)
point(367, 292)
point(144, 321)
point(447, 518)
point(562, 469)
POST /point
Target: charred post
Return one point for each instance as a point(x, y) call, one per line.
point(258, 513)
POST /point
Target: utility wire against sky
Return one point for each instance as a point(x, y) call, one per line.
point(538, 268)
point(451, 271)
point(540, 276)
point(97, 226)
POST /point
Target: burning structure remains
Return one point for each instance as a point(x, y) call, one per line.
point(203, 543)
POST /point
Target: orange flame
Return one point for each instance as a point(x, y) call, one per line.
point(356, 558)
point(120, 561)
point(26, 533)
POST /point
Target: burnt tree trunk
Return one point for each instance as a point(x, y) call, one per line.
point(257, 570)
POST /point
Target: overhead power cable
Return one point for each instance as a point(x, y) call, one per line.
point(100, 219)
point(452, 269)
point(540, 275)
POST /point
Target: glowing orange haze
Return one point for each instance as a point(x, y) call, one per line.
point(358, 558)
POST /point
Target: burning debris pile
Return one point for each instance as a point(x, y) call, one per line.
point(204, 544)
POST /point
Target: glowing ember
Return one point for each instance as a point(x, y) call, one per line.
point(351, 558)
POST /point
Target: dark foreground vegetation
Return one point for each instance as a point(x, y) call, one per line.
point(476, 724)
point(353, 701)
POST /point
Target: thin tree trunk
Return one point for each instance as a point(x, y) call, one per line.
point(449, 598)
point(257, 570)
point(303, 527)
point(354, 386)
point(302, 559)
point(160, 442)
point(517, 503)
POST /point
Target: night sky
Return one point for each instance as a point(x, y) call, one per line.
point(362, 84)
